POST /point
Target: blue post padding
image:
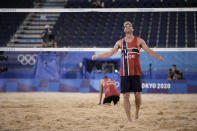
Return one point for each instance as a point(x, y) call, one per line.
point(2, 82)
point(178, 88)
point(47, 66)
point(87, 85)
point(71, 82)
point(30, 82)
point(192, 82)
point(84, 89)
point(11, 87)
point(43, 89)
point(53, 86)
point(95, 84)
point(144, 90)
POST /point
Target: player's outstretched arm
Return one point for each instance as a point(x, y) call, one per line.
point(149, 51)
point(109, 53)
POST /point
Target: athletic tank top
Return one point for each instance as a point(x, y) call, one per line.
point(110, 88)
point(130, 58)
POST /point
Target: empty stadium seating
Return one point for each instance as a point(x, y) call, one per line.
point(8, 25)
point(17, 4)
point(166, 29)
point(94, 29)
point(106, 3)
point(131, 3)
point(32, 3)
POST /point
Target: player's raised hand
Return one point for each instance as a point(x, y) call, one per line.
point(160, 58)
point(94, 57)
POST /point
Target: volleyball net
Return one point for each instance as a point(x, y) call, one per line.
point(147, 33)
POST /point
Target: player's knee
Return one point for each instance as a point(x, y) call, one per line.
point(137, 95)
point(126, 97)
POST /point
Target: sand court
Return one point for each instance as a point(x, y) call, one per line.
point(81, 112)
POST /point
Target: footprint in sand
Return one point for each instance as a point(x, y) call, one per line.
point(32, 117)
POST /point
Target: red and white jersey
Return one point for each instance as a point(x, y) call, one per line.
point(130, 58)
point(110, 88)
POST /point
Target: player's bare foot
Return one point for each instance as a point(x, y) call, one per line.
point(136, 116)
point(129, 121)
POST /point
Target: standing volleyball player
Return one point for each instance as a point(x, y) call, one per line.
point(130, 71)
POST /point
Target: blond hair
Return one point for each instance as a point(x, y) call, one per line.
point(127, 22)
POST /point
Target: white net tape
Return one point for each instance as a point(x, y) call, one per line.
point(99, 10)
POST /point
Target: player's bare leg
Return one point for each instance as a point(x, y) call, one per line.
point(127, 105)
point(137, 103)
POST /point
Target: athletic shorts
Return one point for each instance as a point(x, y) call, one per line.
point(130, 84)
point(109, 99)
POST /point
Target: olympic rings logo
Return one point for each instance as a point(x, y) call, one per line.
point(26, 59)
